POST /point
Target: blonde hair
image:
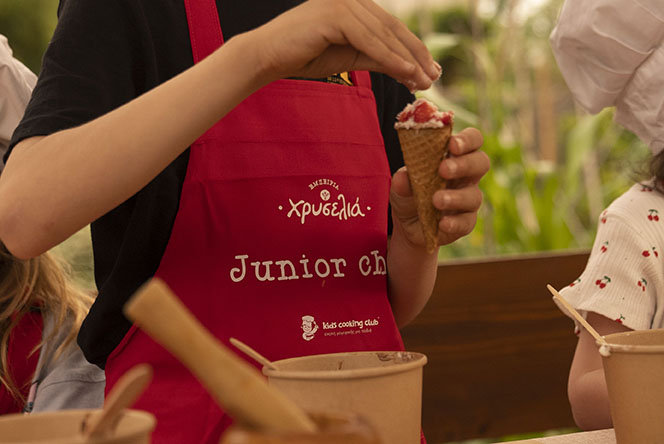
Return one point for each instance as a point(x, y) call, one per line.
point(41, 283)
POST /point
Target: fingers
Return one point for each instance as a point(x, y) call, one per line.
point(364, 35)
point(398, 37)
point(453, 227)
point(466, 168)
point(401, 183)
point(404, 206)
point(322, 37)
point(466, 141)
point(459, 209)
point(462, 200)
point(383, 39)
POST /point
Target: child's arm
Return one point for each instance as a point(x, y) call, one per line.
point(52, 186)
point(586, 388)
point(411, 270)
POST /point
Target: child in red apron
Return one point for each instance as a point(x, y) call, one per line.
point(40, 312)
point(277, 233)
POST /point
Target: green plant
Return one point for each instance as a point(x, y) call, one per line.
point(28, 25)
point(554, 168)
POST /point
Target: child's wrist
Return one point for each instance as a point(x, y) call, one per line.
point(258, 73)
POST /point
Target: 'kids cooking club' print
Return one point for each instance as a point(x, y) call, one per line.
point(337, 328)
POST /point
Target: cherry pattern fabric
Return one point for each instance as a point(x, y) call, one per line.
point(624, 277)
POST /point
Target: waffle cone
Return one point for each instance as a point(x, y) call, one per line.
point(423, 150)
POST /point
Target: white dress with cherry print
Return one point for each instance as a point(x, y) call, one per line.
point(624, 276)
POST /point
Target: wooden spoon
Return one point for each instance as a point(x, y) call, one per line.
point(244, 348)
point(123, 395)
point(558, 297)
point(236, 385)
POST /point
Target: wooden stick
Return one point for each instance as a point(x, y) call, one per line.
point(123, 395)
point(558, 297)
point(237, 386)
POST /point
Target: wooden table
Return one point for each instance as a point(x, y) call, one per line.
point(595, 437)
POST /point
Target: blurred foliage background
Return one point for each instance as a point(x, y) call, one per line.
point(554, 168)
point(28, 25)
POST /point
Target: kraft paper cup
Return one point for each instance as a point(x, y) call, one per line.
point(383, 387)
point(332, 429)
point(634, 369)
point(65, 427)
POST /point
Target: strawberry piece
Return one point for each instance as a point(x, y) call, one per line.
point(445, 119)
point(404, 115)
point(423, 113)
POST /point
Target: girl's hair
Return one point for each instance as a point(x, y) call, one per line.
point(40, 283)
point(656, 170)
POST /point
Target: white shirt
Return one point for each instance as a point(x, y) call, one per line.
point(16, 84)
point(624, 277)
point(611, 53)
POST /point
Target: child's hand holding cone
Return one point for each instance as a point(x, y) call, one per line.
point(424, 133)
point(416, 198)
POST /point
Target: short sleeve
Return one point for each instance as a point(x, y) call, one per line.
point(90, 67)
point(623, 275)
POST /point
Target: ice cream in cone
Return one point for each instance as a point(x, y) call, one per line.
point(424, 132)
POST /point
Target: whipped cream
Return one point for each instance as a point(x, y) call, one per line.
point(423, 114)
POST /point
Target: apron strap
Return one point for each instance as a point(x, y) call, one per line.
point(361, 78)
point(204, 27)
point(206, 35)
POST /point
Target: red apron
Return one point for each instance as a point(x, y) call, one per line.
point(23, 339)
point(280, 238)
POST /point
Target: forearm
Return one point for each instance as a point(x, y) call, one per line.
point(589, 400)
point(55, 186)
point(587, 391)
point(411, 276)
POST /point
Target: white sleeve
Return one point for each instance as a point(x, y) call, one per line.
point(16, 84)
point(598, 45)
point(622, 279)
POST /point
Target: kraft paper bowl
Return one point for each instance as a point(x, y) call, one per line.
point(65, 426)
point(634, 370)
point(332, 429)
point(383, 387)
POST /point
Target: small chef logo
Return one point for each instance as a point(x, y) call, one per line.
point(309, 327)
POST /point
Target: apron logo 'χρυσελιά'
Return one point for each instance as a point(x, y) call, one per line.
point(328, 206)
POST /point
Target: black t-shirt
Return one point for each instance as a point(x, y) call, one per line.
point(103, 54)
